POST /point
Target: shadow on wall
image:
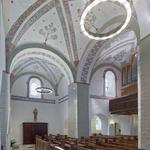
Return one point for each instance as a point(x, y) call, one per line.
point(99, 124)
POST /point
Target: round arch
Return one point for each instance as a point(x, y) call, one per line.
point(42, 52)
point(94, 49)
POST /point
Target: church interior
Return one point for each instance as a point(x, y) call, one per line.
point(74, 74)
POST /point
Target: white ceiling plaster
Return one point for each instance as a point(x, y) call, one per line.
point(46, 55)
point(119, 50)
point(78, 43)
point(143, 14)
point(33, 34)
point(37, 65)
point(19, 6)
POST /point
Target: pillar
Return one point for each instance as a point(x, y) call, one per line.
point(78, 110)
point(5, 110)
point(2, 67)
point(144, 94)
point(134, 124)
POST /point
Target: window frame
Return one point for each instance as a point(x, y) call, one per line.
point(104, 77)
point(28, 86)
point(100, 121)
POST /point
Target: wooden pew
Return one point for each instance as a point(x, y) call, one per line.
point(94, 142)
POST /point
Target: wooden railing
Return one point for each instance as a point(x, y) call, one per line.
point(126, 105)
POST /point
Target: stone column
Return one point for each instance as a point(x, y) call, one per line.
point(134, 124)
point(144, 94)
point(5, 110)
point(78, 110)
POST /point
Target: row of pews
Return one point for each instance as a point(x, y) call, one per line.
point(94, 142)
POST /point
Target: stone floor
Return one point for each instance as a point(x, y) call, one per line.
point(25, 147)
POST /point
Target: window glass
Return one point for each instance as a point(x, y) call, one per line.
point(98, 123)
point(33, 84)
point(110, 84)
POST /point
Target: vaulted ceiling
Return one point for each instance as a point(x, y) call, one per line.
point(56, 24)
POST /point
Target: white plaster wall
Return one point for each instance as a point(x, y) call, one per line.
point(63, 88)
point(100, 107)
point(23, 112)
point(134, 129)
point(144, 94)
point(97, 81)
point(124, 121)
point(63, 108)
point(20, 87)
point(54, 114)
point(19, 8)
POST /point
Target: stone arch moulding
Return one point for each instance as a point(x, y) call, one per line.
point(43, 52)
point(89, 58)
point(32, 74)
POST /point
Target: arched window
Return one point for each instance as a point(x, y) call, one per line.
point(33, 84)
point(98, 124)
point(110, 84)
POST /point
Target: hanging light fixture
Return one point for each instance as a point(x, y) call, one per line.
point(97, 36)
point(44, 90)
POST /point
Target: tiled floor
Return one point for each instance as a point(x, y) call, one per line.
point(26, 147)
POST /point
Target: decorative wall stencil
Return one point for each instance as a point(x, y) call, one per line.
point(19, 22)
point(89, 60)
point(49, 32)
point(99, 51)
point(89, 21)
point(39, 65)
point(64, 27)
point(119, 52)
point(122, 56)
point(64, 10)
point(33, 19)
point(54, 3)
point(48, 55)
point(123, 9)
point(71, 28)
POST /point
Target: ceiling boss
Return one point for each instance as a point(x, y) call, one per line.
point(96, 34)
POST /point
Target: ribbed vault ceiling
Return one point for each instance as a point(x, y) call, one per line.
point(56, 23)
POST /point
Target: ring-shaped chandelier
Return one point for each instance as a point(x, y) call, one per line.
point(44, 90)
point(116, 31)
